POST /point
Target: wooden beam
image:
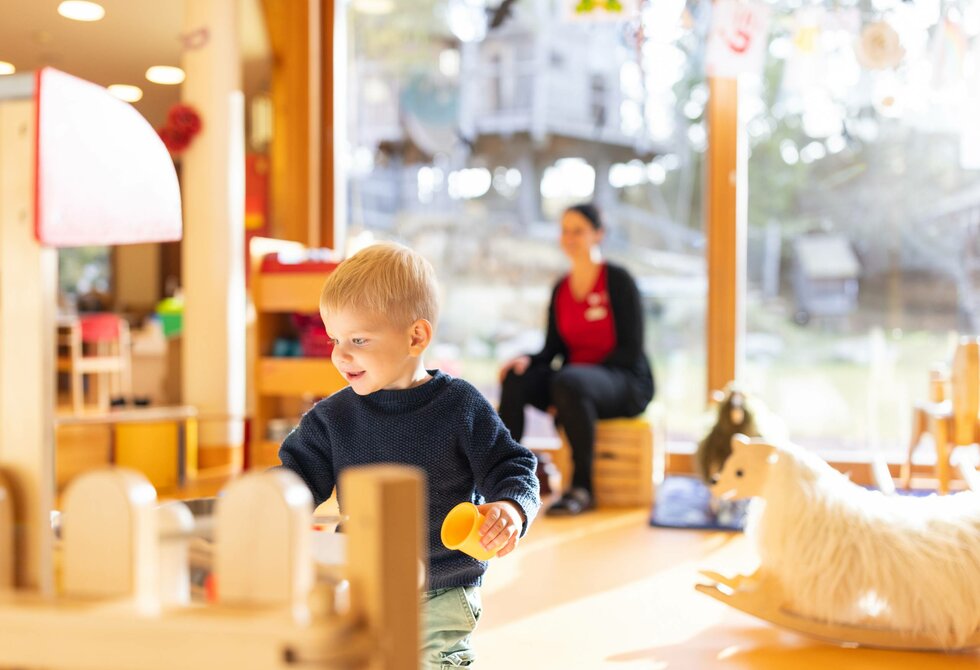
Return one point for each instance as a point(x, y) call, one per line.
point(288, 26)
point(726, 195)
point(329, 25)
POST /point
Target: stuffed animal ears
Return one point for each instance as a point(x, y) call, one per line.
point(739, 441)
point(753, 448)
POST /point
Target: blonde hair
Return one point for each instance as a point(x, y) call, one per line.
point(386, 279)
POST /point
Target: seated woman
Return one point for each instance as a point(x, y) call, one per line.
point(595, 323)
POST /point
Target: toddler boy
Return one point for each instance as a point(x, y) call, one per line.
point(380, 308)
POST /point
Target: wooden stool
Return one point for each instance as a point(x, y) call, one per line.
point(623, 464)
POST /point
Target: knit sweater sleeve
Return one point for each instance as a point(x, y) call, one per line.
point(553, 344)
point(624, 297)
point(502, 468)
point(306, 451)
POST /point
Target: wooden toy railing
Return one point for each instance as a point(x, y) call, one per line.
point(123, 600)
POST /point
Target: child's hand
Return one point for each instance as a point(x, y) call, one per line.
point(502, 526)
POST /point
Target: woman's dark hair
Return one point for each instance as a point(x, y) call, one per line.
point(590, 212)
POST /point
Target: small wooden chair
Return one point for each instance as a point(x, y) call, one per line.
point(97, 345)
point(950, 417)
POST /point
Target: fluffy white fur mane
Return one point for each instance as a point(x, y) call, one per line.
point(848, 555)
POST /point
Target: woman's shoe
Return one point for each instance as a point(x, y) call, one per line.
point(572, 503)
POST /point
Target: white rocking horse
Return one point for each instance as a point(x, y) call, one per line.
point(849, 565)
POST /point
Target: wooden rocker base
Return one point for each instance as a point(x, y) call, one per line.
point(762, 601)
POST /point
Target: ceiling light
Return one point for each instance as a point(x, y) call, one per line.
point(126, 92)
point(165, 74)
point(78, 10)
point(7, 68)
point(373, 6)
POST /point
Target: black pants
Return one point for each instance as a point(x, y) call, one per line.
point(581, 395)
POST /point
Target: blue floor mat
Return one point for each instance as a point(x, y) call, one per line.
point(684, 502)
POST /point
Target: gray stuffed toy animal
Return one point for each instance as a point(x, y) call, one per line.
point(735, 416)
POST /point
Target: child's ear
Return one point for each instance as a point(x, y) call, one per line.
point(421, 337)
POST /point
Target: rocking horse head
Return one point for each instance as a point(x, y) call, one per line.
point(746, 471)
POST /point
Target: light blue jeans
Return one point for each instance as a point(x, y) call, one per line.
point(449, 617)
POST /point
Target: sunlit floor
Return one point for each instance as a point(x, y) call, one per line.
point(608, 591)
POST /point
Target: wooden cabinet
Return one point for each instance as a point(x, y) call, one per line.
point(284, 386)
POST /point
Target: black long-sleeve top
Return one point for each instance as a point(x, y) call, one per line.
point(627, 313)
point(446, 428)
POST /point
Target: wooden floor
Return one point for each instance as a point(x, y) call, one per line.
point(608, 591)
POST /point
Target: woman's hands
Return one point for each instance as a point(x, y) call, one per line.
point(519, 365)
point(501, 527)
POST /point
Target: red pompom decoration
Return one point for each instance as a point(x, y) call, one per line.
point(183, 124)
point(174, 140)
point(185, 118)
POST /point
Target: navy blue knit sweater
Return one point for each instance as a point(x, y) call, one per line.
point(446, 428)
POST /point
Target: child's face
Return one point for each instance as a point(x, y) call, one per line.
point(373, 354)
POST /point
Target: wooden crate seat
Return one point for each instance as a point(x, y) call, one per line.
point(622, 467)
point(623, 464)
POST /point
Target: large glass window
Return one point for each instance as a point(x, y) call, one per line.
point(84, 278)
point(864, 200)
point(469, 139)
point(864, 214)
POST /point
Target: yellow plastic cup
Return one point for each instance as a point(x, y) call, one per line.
point(461, 531)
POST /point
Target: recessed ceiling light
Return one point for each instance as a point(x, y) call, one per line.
point(6, 68)
point(126, 92)
point(79, 10)
point(165, 74)
point(373, 6)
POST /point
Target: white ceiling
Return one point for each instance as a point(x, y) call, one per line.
point(134, 35)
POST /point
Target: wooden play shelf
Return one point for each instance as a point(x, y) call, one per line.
point(284, 385)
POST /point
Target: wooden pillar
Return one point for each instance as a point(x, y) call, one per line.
point(27, 303)
point(308, 48)
point(332, 76)
point(213, 182)
point(726, 194)
point(288, 25)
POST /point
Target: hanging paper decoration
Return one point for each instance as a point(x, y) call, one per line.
point(879, 48)
point(738, 39)
point(949, 47)
point(806, 32)
point(805, 70)
point(601, 10)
